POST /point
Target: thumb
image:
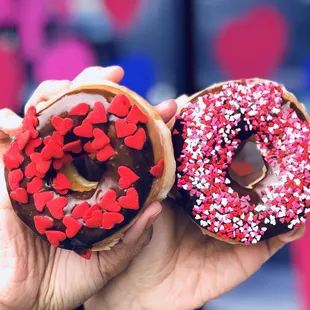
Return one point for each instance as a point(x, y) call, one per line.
point(114, 261)
point(10, 124)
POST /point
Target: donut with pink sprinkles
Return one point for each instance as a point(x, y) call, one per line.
point(242, 151)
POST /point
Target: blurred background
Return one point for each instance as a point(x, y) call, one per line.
point(167, 48)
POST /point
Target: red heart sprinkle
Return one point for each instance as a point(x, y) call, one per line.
point(56, 137)
point(98, 115)
point(110, 219)
point(52, 149)
point(105, 153)
point(30, 121)
point(58, 163)
point(32, 144)
point(131, 200)
point(135, 116)
point(61, 182)
point(62, 125)
point(123, 129)
point(14, 177)
point(41, 199)
point(31, 171)
point(95, 221)
point(175, 132)
point(19, 195)
point(80, 110)
point(88, 147)
point(56, 207)
point(157, 170)
point(86, 254)
point(22, 139)
point(108, 201)
point(41, 223)
point(73, 226)
point(137, 140)
point(34, 186)
point(42, 166)
point(31, 111)
point(55, 237)
point(80, 210)
point(119, 106)
point(85, 130)
point(63, 192)
point(74, 147)
point(12, 158)
point(89, 212)
point(127, 177)
point(101, 139)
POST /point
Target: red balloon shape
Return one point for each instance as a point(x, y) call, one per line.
point(122, 13)
point(253, 45)
point(11, 77)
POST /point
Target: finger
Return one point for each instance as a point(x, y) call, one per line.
point(293, 235)
point(98, 74)
point(167, 110)
point(10, 123)
point(47, 90)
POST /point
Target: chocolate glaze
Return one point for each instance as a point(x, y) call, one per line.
point(106, 173)
point(187, 200)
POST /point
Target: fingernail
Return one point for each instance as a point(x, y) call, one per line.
point(152, 219)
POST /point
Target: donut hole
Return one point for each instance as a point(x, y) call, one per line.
point(89, 169)
point(248, 166)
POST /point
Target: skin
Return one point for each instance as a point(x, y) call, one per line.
point(35, 275)
point(179, 269)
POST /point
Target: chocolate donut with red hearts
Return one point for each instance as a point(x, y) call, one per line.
point(85, 165)
point(242, 151)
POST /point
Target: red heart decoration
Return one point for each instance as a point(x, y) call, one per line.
point(31, 171)
point(42, 223)
point(80, 110)
point(52, 149)
point(253, 45)
point(105, 153)
point(101, 139)
point(55, 237)
point(73, 226)
point(157, 170)
point(12, 158)
point(119, 106)
point(123, 129)
point(135, 116)
point(110, 219)
point(42, 166)
point(122, 13)
point(98, 115)
point(108, 201)
point(86, 254)
point(89, 213)
point(31, 111)
point(61, 182)
point(29, 123)
point(74, 147)
point(88, 147)
point(56, 207)
point(127, 177)
point(131, 200)
point(34, 185)
point(32, 144)
point(14, 178)
point(137, 140)
point(58, 163)
point(41, 199)
point(22, 139)
point(80, 210)
point(62, 125)
point(56, 137)
point(19, 195)
point(85, 130)
point(95, 221)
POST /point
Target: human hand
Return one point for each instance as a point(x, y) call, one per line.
point(183, 269)
point(34, 275)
